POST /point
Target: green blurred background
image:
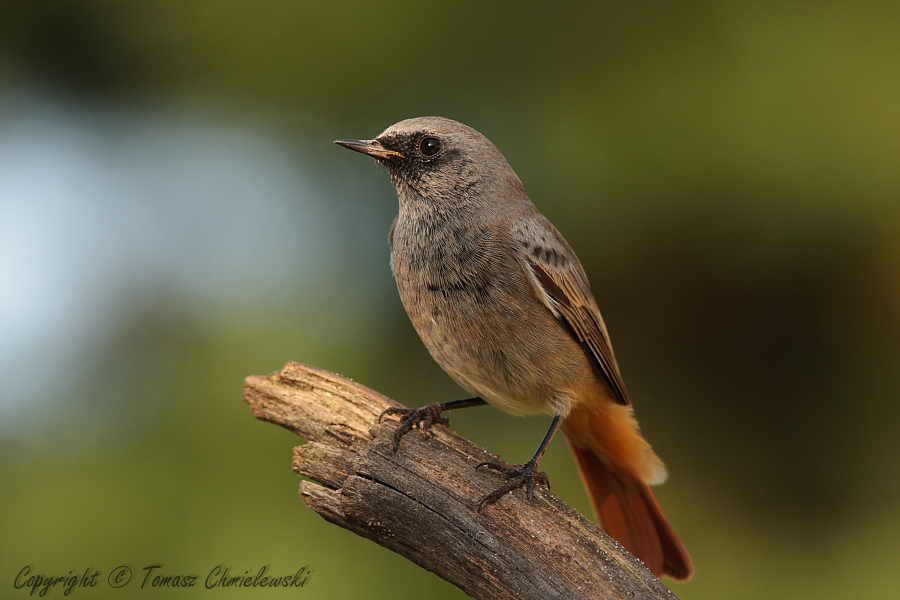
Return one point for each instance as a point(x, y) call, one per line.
point(174, 217)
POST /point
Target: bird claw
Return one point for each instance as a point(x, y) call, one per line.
point(525, 475)
point(423, 417)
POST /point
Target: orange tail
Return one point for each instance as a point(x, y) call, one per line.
point(623, 502)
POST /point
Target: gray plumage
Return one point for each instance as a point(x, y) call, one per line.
point(502, 303)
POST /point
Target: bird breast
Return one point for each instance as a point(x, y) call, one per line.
point(469, 300)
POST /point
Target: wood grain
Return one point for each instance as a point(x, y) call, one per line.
point(421, 502)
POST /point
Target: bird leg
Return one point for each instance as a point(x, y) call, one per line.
point(425, 416)
point(525, 475)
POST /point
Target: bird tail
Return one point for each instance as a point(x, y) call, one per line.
point(617, 466)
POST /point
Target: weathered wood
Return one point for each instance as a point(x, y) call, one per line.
point(421, 502)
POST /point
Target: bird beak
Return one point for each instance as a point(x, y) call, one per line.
point(371, 147)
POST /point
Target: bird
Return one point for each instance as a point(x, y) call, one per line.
point(504, 306)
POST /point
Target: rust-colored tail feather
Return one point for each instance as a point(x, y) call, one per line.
point(631, 515)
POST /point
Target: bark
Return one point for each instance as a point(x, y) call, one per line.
point(422, 501)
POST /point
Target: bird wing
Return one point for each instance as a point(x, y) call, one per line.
point(560, 283)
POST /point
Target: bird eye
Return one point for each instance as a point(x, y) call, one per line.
point(430, 146)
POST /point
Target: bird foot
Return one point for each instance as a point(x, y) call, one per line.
point(423, 417)
point(525, 476)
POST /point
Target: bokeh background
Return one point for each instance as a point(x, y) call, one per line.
point(174, 217)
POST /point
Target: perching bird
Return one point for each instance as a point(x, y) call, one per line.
point(502, 303)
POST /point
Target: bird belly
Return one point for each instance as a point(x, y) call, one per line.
point(490, 345)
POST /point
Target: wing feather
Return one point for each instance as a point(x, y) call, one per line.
point(560, 283)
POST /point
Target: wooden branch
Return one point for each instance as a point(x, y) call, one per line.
point(421, 502)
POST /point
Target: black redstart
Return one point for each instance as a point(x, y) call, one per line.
point(502, 303)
